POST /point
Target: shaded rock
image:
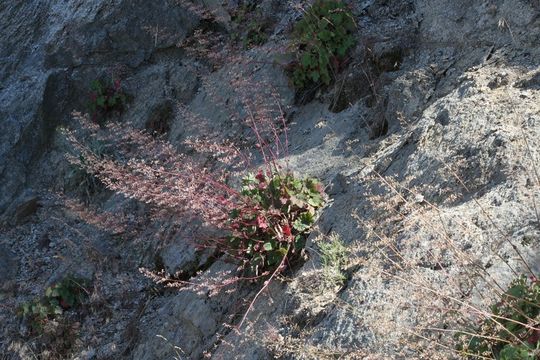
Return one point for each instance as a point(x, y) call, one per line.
point(8, 270)
point(47, 45)
point(157, 91)
point(386, 8)
point(531, 81)
point(159, 122)
point(179, 258)
point(187, 321)
point(377, 123)
point(21, 209)
point(354, 84)
point(105, 41)
point(26, 209)
point(388, 56)
point(406, 95)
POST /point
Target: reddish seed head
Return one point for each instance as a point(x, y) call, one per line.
point(260, 176)
point(286, 230)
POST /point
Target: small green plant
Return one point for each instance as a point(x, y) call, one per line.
point(106, 99)
point(274, 227)
point(334, 258)
point(251, 26)
point(255, 34)
point(59, 297)
point(513, 332)
point(323, 38)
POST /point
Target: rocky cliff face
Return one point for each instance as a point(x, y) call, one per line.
point(430, 133)
point(51, 51)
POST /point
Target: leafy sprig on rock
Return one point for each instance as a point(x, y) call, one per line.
point(323, 38)
point(284, 208)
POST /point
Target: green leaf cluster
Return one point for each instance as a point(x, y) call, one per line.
point(59, 297)
point(250, 26)
point(520, 304)
point(323, 37)
point(255, 35)
point(105, 98)
point(334, 258)
point(281, 213)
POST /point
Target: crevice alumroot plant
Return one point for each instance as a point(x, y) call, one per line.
point(263, 222)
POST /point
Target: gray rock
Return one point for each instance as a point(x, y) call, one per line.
point(451, 119)
point(8, 270)
point(47, 45)
point(179, 258)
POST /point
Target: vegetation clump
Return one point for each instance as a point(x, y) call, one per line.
point(323, 38)
point(512, 332)
point(262, 224)
point(255, 34)
point(251, 26)
point(106, 99)
point(274, 227)
point(64, 295)
point(334, 258)
point(81, 181)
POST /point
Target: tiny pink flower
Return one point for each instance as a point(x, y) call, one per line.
point(261, 222)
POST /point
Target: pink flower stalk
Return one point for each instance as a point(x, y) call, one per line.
point(151, 171)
